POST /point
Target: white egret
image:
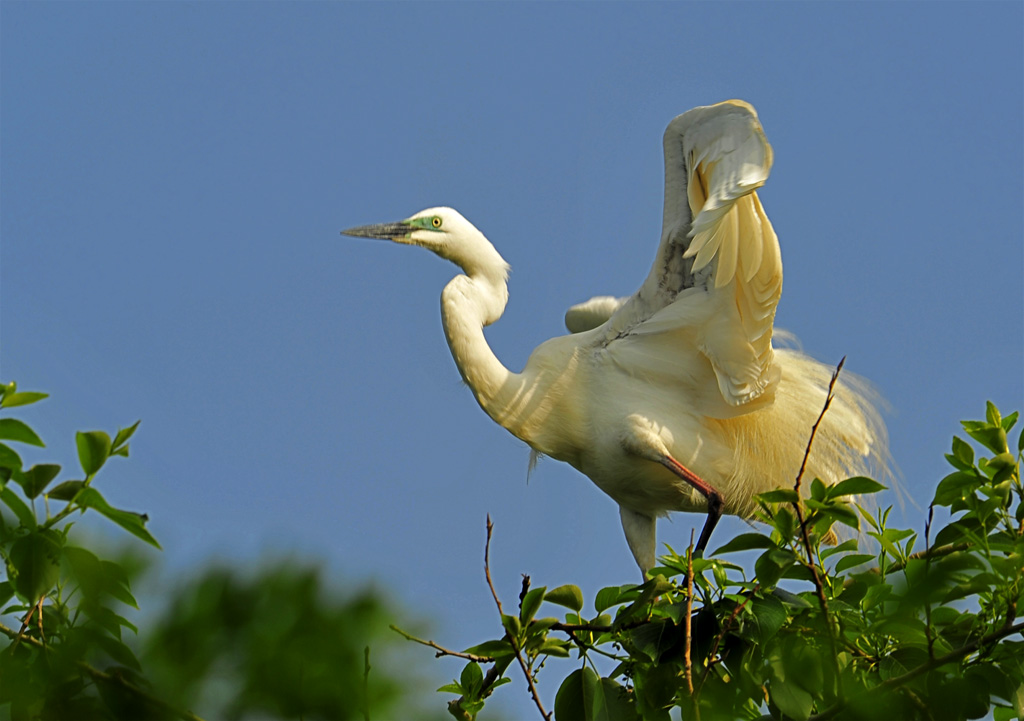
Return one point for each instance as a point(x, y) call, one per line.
point(672, 399)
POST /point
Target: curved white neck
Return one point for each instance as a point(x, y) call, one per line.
point(468, 303)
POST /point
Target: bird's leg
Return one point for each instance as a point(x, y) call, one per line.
point(640, 535)
point(715, 500)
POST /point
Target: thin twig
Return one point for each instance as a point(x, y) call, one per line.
point(687, 628)
point(112, 678)
point(598, 627)
point(805, 536)
point(928, 553)
point(590, 647)
point(928, 630)
point(441, 650)
point(814, 429)
point(515, 645)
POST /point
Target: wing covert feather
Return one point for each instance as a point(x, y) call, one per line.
point(716, 236)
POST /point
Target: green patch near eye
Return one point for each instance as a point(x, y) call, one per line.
point(432, 222)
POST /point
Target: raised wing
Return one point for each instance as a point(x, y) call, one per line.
point(717, 240)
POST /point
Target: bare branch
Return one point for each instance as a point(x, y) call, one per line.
point(805, 536)
point(688, 621)
point(441, 650)
point(515, 645)
point(814, 429)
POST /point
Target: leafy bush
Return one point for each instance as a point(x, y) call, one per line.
point(866, 629)
point(277, 643)
point(71, 601)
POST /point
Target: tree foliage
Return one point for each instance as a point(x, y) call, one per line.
point(278, 643)
point(870, 628)
point(889, 624)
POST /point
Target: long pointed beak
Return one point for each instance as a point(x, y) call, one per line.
point(384, 231)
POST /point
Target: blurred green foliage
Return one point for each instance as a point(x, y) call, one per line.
point(275, 643)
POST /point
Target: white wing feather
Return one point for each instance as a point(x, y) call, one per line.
point(592, 313)
point(717, 241)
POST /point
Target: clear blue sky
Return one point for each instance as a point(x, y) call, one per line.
point(174, 177)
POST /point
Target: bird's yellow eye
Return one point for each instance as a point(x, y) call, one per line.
point(436, 221)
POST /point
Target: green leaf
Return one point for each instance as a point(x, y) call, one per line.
point(568, 595)
point(22, 511)
point(770, 566)
point(611, 702)
point(793, 701)
point(858, 485)
point(6, 592)
point(585, 696)
point(954, 487)
point(606, 598)
point(992, 414)
point(656, 638)
point(8, 458)
point(569, 703)
point(785, 523)
point(962, 451)
point(38, 477)
point(96, 578)
point(555, 647)
point(992, 437)
point(1004, 713)
point(790, 599)
point(122, 437)
point(849, 545)
point(65, 491)
point(854, 559)
point(818, 490)
point(1009, 421)
point(472, 678)
point(11, 429)
point(746, 542)
point(512, 625)
point(34, 564)
point(768, 616)
point(838, 511)
point(780, 495)
point(93, 450)
point(10, 400)
point(134, 523)
point(451, 688)
point(543, 624)
point(118, 584)
point(492, 649)
point(531, 604)
point(126, 623)
point(119, 652)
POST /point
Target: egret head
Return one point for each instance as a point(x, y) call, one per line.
point(443, 231)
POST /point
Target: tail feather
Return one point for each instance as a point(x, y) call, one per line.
point(851, 439)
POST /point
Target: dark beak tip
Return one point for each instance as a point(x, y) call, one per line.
point(383, 231)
